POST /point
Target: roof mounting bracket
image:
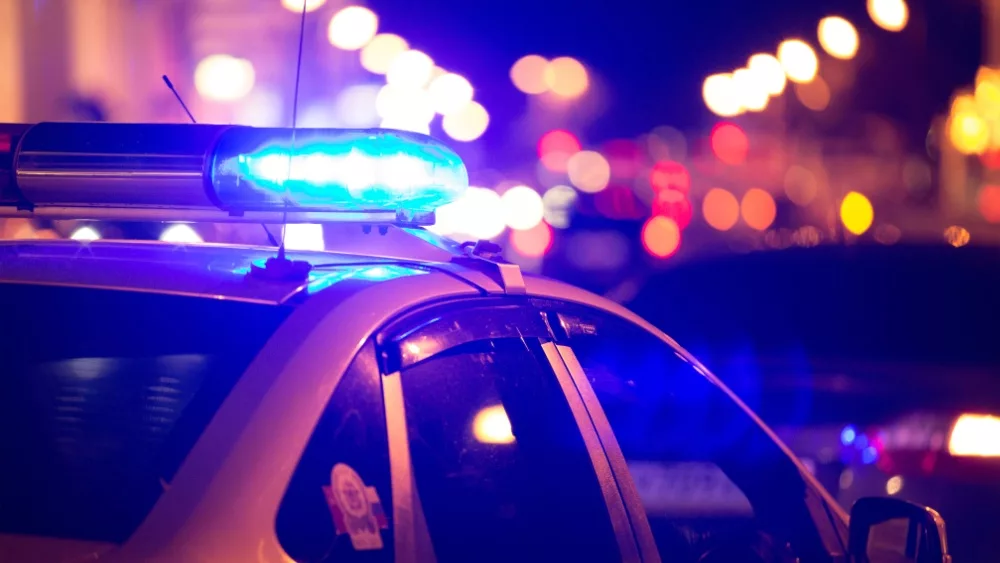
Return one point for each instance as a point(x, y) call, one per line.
point(485, 257)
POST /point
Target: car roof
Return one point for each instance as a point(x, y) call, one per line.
point(217, 271)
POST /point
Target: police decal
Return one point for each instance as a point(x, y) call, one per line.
point(356, 508)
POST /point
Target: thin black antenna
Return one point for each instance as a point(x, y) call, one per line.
point(295, 120)
point(178, 96)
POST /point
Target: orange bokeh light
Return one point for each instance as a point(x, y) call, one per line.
point(758, 209)
point(534, 242)
point(721, 209)
point(989, 203)
point(670, 175)
point(730, 144)
point(555, 148)
point(661, 237)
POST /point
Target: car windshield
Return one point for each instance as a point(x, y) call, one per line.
point(103, 393)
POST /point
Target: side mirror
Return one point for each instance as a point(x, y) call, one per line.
point(890, 530)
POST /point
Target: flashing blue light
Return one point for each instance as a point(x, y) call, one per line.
point(847, 435)
point(869, 455)
point(861, 442)
point(335, 170)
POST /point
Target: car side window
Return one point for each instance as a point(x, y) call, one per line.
point(708, 476)
point(338, 503)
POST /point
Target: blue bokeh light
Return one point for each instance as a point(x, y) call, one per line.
point(847, 435)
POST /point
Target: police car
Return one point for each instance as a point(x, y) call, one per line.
point(400, 398)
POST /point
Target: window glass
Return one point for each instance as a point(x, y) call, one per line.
point(501, 468)
point(338, 506)
point(709, 478)
point(103, 394)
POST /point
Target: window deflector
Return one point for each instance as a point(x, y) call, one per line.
point(411, 537)
point(615, 457)
point(605, 475)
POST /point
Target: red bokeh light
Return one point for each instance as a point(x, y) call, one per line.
point(661, 236)
point(989, 203)
point(730, 143)
point(670, 175)
point(675, 205)
point(534, 242)
point(6, 142)
point(990, 159)
point(624, 156)
point(618, 202)
point(555, 148)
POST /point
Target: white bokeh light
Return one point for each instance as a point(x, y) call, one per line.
point(356, 106)
point(180, 234)
point(476, 215)
point(85, 233)
point(410, 69)
point(378, 54)
point(352, 28)
point(224, 78)
point(449, 93)
point(468, 123)
point(522, 208)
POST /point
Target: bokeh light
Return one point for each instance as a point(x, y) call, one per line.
point(555, 148)
point(968, 132)
point(468, 123)
point(449, 93)
point(405, 106)
point(352, 28)
point(674, 205)
point(721, 96)
point(528, 74)
point(798, 60)
point(801, 185)
point(667, 143)
point(856, 213)
point(814, 95)
point(893, 485)
point(566, 77)
point(558, 202)
point(85, 233)
point(957, 236)
point(491, 426)
point(378, 54)
point(751, 88)
point(769, 72)
point(410, 69)
point(589, 171)
point(296, 5)
point(356, 106)
point(224, 78)
point(670, 175)
point(476, 215)
point(534, 242)
point(758, 209)
point(988, 202)
point(522, 208)
point(721, 209)
point(838, 37)
point(730, 144)
point(180, 233)
point(661, 237)
point(890, 15)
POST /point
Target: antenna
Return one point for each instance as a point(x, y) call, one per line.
point(178, 96)
point(180, 100)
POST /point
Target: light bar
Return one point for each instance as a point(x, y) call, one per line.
point(975, 435)
point(227, 173)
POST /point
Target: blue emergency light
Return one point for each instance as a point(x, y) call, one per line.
point(228, 173)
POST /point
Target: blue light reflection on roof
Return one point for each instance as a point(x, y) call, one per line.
point(322, 278)
point(340, 170)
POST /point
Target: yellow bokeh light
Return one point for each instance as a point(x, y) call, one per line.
point(890, 15)
point(814, 95)
point(758, 209)
point(468, 123)
point(352, 28)
point(838, 37)
point(378, 54)
point(224, 78)
point(720, 95)
point(566, 77)
point(798, 60)
point(769, 72)
point(492, 426)
point(528, 74)
point(296, 5)
point(751, 89)
point(856, 213)
point(987, 94)
point(969, 133)
point(410, 69)
point(589, 171)
point(957, 236)
point(975, 435)
point(721, 209)
point(893, 485)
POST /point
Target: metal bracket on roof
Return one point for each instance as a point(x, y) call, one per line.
point(486, 257)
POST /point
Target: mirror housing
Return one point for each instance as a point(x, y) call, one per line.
point(891, 530)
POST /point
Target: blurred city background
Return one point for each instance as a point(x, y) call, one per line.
point(807, 194)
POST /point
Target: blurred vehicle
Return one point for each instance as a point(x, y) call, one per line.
point(398, 398)
point(877, 364)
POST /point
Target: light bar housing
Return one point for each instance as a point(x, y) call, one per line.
point(220, 173)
